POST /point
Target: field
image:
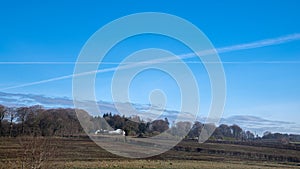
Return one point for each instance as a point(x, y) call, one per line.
point(71, 153)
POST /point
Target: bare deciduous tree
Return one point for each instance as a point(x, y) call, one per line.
point(37, 152)
point(12, 114)
point(22, 113)
point(3, 110)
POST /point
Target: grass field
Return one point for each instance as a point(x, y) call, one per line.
point(71, 153)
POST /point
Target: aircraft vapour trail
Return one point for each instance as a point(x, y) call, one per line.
point(244, 46)
point(261, 43)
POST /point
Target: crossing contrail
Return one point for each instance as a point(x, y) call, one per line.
point(227, 49)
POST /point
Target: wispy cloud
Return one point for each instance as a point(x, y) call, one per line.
point(260, 125)
point(244, 46)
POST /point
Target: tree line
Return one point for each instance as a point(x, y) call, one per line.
point(38, 121)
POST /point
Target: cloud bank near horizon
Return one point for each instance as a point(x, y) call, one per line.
point(247, 122)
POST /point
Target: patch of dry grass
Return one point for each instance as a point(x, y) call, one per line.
point(169, 164)
point(80, 153)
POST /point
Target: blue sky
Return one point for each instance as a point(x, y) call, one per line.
point(263, 81)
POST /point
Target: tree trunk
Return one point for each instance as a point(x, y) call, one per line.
point(11, 125)
point(23, 126)
point(1, 132)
